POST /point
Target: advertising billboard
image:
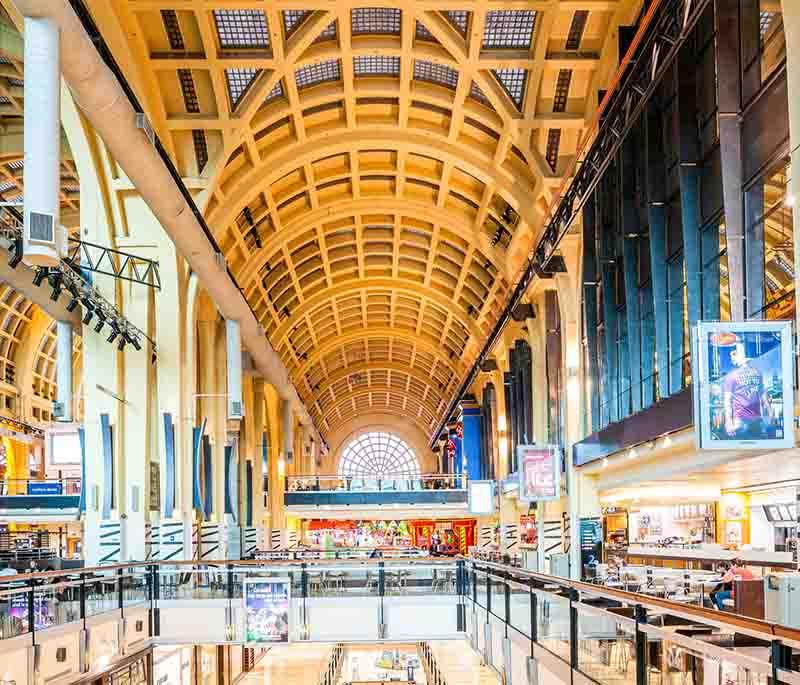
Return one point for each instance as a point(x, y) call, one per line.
point(539, 473)
point(743, 384)
point(267, 610)
point(481, 497)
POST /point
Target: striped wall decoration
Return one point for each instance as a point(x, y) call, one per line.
point(292, 539)
point(195, 541)
point(151, 541)
point(250, 540)
point(553, 538)
point(275, 539)
point(510, 536)
point(110, 542)
point(210, 541)
point(171, 542)
point(567, 532)
point(485, 535)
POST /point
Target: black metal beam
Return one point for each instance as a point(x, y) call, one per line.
point(106, 260)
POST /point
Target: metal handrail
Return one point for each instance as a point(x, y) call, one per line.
point(757, 627)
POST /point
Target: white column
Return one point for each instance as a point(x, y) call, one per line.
point(64, 369)
point(42, 138)
point(234, 357)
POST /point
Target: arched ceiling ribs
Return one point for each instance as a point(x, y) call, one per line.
point(373, 170)
point(243, 183)
point(386, 336)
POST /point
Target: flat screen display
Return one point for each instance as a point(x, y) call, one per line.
point(481, 497)
point(744, 394)
point(266, 603)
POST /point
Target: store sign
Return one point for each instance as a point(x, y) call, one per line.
point(743, 389)
point(591, 539)
point(481, 497)
point(539, 473)
point(266, 603)
point(45, 488)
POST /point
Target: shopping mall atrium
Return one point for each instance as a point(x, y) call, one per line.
point(438, 342)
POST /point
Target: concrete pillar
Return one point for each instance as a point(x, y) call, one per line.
point(455, 436)
point(42, 126)
point(64, 369)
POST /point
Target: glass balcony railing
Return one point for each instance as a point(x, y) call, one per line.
point(605, 635)
point(40, 487)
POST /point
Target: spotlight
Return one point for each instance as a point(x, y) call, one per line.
point(16, 252)
point(136, 344)
point(72, 304)
point(121, 344)
point(99, 325)
point(87, 315)
point(55, 279)
point(39, 275)
point(114, 332)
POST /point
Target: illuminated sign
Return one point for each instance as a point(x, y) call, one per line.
point(266, 603)
point(743, 384)
point(539, 473)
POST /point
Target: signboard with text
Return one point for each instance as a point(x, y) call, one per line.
point(539, 473)
point(45, 487)
point(267, 610)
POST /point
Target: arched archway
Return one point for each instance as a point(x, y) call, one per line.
point(378, 454)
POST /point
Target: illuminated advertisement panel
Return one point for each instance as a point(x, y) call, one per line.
point(743, 384)
point(481, 497)
point(539, 473)
point(266, 604)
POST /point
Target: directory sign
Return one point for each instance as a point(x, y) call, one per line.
point(267, 610)
point(481, 497)
point(539, 469)
point(743, 384)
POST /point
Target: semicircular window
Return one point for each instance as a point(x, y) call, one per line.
point(378, 454)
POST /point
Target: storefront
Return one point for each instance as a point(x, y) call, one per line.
point(454, 536)
point(681, 524)
point(329, 534)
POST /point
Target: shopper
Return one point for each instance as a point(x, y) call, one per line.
point(738, 571)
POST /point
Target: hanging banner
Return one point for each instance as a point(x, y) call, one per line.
point(743, 384)
point(266, 603)
point(539, 470)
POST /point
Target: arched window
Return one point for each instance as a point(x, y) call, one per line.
point(378, 454)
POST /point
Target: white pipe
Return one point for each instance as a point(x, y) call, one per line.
point(234, 365)
point(104, 103)
point(64, 368)
point(42, 137)
point(287, 429)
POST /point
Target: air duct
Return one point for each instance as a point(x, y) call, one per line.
point(108, 107)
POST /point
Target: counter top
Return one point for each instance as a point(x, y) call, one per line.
point(753, 557)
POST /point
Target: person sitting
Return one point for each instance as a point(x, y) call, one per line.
point(737, 571)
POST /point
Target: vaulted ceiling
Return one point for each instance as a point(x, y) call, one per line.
point(375, 173)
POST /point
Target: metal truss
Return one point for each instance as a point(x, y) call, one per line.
point(111, 262)
point(665, 36)
point(666, 33)
point(20, 426)
point(69, 276)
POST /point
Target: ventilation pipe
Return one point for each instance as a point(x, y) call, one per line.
point(234, 344)
point(42, 142)
point(107, 107)
point(287, 425)
point(63, 409)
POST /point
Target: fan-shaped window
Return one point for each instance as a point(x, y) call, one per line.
point(378, 454)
